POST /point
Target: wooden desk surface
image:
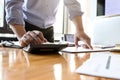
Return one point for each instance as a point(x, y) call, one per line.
point(15, 64)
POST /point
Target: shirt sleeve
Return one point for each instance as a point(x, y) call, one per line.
point(74, 8)
point(14, 12)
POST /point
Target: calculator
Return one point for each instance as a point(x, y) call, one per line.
point(45, 47)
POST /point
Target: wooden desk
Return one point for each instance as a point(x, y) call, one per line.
point(15, 64)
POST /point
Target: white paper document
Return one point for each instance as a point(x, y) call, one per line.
point(103, 64)
point(82, 50)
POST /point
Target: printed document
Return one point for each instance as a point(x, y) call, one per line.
point(102, 64)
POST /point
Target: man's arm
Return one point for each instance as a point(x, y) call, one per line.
point(14, 17)
point(14, 12)
point(74, 9)
point(80, 34)
point(19, 30)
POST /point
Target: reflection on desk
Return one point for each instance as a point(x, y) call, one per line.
point(15, 64)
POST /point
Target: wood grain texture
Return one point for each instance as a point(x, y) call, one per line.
point(15, 64)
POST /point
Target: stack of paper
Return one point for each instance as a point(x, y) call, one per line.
point(103, 65)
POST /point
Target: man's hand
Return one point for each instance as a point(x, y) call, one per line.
point(32, 37)
point(82, 37)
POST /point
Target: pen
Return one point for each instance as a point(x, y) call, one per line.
point(107, 47)
point(108, 62)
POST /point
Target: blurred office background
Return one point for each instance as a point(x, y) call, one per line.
point(101, 21)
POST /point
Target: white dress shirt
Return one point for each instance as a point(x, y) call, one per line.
point(40, 13)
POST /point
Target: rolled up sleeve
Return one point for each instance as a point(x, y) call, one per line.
point(14, 12)
point(74, 8)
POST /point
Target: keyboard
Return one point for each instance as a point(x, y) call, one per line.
point(45, 47)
